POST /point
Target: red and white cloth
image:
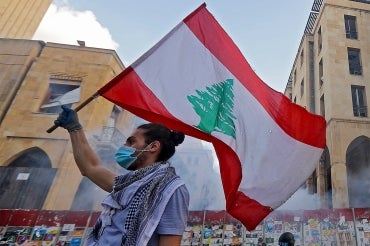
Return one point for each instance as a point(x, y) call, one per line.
point(197, 81)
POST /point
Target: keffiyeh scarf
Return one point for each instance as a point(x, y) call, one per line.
point(149, 199)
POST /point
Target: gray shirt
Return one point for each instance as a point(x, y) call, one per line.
point(172, 222)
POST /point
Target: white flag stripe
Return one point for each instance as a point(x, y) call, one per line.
point(176, 81)
point(267, 150)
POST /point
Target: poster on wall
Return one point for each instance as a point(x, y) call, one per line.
point(73, 230)
point(4, 219)
point(345, 227)
point(233, 231)
point(292, 222)
point(251, 238)
point(213, 228)
point(193, 231)
point(273, 227)
point(17, 234)
point(362, 221)
point(47, 227)
point(44, 235)
point(311, 227)
point(20, 226)
point(328, 227)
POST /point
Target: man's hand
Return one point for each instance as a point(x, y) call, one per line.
point(68, 119)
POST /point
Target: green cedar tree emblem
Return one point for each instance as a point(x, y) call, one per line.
point(215, 108)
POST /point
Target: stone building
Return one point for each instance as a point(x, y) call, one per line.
point(21, 18)
point(331, 77)
point(37, 168)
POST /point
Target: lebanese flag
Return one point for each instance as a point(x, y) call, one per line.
point(196, 80)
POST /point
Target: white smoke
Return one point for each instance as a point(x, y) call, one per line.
point(196, 166)
point(301, 200)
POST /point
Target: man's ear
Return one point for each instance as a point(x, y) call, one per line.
point(156, 145)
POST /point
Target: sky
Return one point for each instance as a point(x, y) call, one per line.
point(268, 33)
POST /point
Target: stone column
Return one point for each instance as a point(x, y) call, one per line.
point(339, 185)
point(321, 186)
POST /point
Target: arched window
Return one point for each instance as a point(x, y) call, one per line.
point(32, 157)
point(358, 172)
point(25, 180)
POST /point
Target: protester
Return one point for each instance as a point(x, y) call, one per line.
point(259, 241)
point(286, 239)
point(146, 206)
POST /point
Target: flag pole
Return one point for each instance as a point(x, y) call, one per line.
point(83, 104)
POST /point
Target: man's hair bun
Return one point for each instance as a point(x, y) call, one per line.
point(177, 137)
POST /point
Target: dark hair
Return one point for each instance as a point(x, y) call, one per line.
point(169, 139)
point(286, 239)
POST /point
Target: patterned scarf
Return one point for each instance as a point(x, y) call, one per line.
point(145, 200)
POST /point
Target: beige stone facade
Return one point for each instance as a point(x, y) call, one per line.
point(30, 71)
point(21, 18)
point(331, 76)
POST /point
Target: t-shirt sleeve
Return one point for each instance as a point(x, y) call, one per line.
point(175, 215)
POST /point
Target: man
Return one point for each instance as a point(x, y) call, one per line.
point(147, 206)
point(286, 239)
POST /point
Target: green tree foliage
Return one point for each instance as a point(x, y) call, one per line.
point(215, 107)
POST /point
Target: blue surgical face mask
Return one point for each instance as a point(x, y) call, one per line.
point(124, 156)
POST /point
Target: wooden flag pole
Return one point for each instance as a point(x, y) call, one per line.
point(83, 104)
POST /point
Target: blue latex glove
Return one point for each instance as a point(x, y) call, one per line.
point(68, 119)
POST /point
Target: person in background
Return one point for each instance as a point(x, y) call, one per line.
point(286, 239)
point(259, 241)
point(146, 206)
